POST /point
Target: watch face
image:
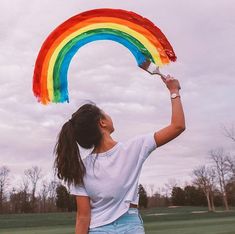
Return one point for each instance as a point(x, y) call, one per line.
point(173, 95)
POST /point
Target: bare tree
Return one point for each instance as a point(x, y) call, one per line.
point(204, 179)
point(229, 132)
point(24, 185)
point(151, 187)
point(44, 193)
point(212, 176)
point(222, 170)
point(34, 175)
point(22, 195)
point(171, 184)
point(4, 182)
point(231, 167)
point(52, 194)
point(13, 201)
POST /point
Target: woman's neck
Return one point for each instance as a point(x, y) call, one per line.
point(106, 143)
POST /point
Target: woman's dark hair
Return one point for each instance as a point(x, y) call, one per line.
point(81, 129)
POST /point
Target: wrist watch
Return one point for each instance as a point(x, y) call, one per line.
point(174, 95)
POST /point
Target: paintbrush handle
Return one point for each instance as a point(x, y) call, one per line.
point(160, 74)
point(163, 76)
point(151, 68)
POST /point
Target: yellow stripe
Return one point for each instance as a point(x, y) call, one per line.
point(148, 45)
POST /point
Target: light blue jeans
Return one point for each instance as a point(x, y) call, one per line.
point(130, 222)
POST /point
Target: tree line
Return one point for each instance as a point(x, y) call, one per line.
point(212, 185)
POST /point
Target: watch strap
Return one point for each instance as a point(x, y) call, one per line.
point(174, 95)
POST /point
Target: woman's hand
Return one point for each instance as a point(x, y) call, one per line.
point(171, 83)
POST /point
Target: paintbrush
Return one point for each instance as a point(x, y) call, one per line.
point(152, 68)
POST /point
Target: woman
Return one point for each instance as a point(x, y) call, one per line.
point(106, 181)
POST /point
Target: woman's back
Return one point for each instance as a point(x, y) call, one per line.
point(111, 179)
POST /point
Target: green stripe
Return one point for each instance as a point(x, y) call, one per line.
point(72, 42)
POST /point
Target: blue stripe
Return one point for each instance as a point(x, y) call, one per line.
point(139, 56)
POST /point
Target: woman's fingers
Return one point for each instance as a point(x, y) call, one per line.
point(170, 82)
point(163, 79)
point(169, 77)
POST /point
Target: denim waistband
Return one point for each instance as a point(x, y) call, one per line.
point(132, 215)
point(129, 222)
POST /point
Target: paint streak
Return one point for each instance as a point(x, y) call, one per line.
point(138, 34)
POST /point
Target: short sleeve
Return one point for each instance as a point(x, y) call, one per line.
point(78, 190)
point(143, 145)
point(149, 144)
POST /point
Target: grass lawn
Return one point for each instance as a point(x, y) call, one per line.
point(178, 220)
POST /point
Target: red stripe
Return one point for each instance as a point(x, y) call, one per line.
point(106, 12)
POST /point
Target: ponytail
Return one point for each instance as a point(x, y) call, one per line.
point(82, 129)
point(68, 163)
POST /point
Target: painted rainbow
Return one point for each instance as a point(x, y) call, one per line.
point(138, 34)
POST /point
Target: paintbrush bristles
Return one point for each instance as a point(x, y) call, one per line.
point(151, 68)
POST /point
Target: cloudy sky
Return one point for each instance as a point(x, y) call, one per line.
point(202, 34)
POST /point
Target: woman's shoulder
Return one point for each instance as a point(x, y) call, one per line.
point(141, 140)
point(135, 139)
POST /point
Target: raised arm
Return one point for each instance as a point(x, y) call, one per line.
point(177, 125)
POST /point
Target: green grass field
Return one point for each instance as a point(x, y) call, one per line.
point(179, 220)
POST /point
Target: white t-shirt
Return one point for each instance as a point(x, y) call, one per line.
point(114, 182)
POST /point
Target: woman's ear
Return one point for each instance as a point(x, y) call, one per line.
point(102, 122)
